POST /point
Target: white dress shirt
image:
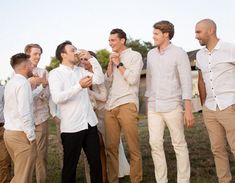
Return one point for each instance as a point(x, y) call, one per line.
point(168, 79)
point(18, 108)
point(73, 101)
point(1, 103)
point(218, 71)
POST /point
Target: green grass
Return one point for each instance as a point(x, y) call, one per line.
point(201, 159)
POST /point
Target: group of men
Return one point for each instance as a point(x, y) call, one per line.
point(168, 95)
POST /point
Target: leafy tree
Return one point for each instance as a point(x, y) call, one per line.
point(141, 46)
point(53, 64)
point(103, 57)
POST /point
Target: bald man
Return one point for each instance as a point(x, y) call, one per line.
point(216, 82)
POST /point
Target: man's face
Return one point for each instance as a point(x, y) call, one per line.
point(85, 63)
point(202, 34)
point(35, 55)
point(116, 43)
point(70, 54)
point(159, 37)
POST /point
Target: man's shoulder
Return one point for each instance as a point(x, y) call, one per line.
point(16, 82)
point(152, 51)
point(55, 70)
point(178, 49)
point(227, 45)
point(133, 52)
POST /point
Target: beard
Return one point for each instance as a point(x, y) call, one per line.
point(30, 74)
point(202, 43)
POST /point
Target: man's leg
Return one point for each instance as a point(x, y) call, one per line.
point(23, 155)
point(42, 145)
point(156, 127)
point(112, 139)
point(175, 123)
point(86, 167)
point(5, 160)
point(217, 134)
point(91, 148)
point(226, 118)
point(72, 144)
point(60, 146)
point(128, 119)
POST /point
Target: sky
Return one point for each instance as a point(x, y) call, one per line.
point(87, 23)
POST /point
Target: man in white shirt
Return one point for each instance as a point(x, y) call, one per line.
point(19, 135)
point(123, 75)
point(169, 86)
point(216, 83)
point(68, 86)
point(5, 159)
point(40, 109)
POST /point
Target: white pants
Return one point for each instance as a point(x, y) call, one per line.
point(156, 125)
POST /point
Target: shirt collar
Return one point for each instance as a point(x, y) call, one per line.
point(165, 49)
point(67, 67)
point(217, 46)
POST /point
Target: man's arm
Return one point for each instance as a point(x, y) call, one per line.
point(132, 73)
point(97, 75)
point(24, 97)
point(56, 88)
point(201, 88)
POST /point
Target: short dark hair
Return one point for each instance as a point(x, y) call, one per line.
point(92, 54)
point(18, 59)
point(121, 34)
point(61, 49)
point(165, 27)
point(28, 48)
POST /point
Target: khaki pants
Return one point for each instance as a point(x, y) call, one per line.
point(42, 145)
point(5, 160)
point(60, 146)
point(157, 121)
point(220, 125)
point(23, 155)
point(124, 117)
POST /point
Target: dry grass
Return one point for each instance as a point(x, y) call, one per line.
point(202, 164)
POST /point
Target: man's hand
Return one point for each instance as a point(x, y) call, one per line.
point(86, 82)
point(35, 81)
point(44, 80)
point(189, 120)
point(84, 54)
point(115, 58)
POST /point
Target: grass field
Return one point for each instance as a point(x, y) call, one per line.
point(201, 159)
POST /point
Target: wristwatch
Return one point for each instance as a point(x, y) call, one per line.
point(120, 65)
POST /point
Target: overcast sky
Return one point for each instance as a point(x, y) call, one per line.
point(87, 23)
